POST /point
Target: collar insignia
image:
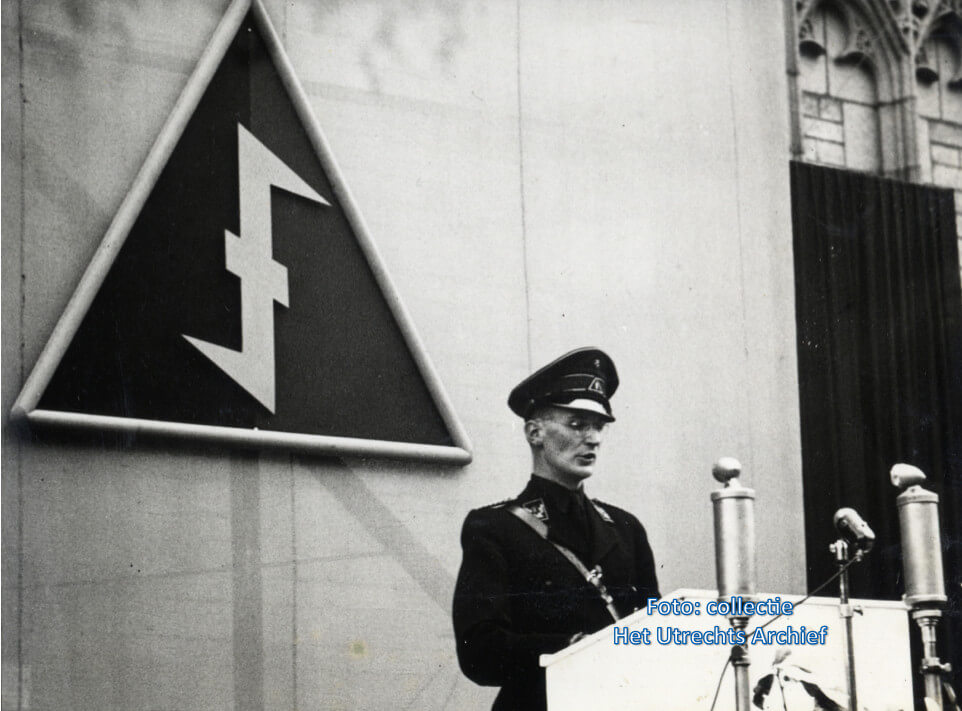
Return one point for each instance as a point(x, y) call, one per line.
point(601, 512)
point(536, 508)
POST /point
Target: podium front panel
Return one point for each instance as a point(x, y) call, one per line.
point(668, 675)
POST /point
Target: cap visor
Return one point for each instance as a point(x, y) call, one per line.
point(588, 405)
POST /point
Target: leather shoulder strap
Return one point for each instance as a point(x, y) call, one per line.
point(593, 576)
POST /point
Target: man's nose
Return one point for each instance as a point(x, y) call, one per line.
point(593, 436)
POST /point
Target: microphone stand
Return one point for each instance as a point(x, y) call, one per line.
point(932, 668)
point(845, 611)
point(740, 663)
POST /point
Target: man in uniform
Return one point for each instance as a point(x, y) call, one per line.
point(551, 565)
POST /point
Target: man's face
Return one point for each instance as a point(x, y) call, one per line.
point(570, 441)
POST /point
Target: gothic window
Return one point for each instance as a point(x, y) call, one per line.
point(939, 77)
point(877, 87)
point(839, 99)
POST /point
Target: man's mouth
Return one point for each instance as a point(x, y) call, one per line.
point(588, 458)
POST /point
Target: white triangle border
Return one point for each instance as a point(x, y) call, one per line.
point(24, 409)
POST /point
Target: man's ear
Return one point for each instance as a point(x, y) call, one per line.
point(534, 432)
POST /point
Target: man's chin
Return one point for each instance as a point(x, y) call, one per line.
point(582, 471)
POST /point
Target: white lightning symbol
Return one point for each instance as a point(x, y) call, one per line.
point(250, 257)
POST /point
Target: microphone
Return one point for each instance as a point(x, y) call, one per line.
point(734, 517)
point(922, 567)
point(853, 529)
point(921, 542)
point(855, 533)
point(734, 513)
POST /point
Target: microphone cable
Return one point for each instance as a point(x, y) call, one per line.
point(721, 678)
point(817, 590)
point(842, 569)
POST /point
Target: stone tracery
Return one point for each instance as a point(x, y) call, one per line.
point(894, 39)
point(907, 57)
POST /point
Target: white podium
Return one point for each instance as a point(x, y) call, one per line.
point(596, 673)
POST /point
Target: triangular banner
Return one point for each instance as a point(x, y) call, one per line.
point(237, 295)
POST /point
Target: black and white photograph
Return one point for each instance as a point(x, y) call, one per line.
point(455, 355)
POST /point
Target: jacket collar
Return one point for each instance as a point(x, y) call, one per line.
point(556, 497)
point(555, 504)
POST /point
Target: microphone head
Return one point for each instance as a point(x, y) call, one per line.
point(854, 529)
point(726, 469)
point(905, 475)
point(841, 514)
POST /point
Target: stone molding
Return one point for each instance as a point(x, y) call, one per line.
point(889, 37)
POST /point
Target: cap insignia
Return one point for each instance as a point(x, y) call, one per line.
point(597, 386)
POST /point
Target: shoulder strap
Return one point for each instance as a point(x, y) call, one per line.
point(593, 576)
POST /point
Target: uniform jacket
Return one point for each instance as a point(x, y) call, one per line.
point(517, 597)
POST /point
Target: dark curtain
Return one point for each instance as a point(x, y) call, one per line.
point(879, 328)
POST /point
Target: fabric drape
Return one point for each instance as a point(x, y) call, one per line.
point(879, 330)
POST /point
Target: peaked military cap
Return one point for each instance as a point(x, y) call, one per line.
point(583, 379)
